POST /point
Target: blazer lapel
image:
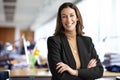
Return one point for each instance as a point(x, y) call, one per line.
point(82, 51)
point(68, 52)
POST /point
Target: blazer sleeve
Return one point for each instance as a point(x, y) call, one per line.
point(95, 72)
point(54, 49)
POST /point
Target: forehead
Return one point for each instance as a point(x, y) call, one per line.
point(67, 10)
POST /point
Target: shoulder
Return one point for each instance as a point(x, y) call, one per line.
point(87, 41)
point(54, 38)
point(86, 38)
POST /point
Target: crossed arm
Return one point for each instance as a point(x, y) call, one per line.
point(61, 67)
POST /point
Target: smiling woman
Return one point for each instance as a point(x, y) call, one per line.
point(71, 55)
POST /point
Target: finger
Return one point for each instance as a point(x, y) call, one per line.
point(62, 69)
point(92, 61)
point(60, 64)
point(93, 64)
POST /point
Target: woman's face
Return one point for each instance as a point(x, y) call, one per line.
point(69, 19)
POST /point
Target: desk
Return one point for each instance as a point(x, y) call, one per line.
point(110, 74)
point(26, 72)
point(43, 73)
point(29, 74)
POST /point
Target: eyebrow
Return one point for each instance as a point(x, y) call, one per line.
point(65, 14)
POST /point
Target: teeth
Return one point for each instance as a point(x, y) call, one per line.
point(69, 24)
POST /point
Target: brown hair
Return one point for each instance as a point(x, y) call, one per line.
point(59, 27)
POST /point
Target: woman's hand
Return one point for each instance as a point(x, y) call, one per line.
point(92, 63)
point(61, 67)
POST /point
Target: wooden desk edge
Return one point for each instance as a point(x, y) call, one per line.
point(30, 74)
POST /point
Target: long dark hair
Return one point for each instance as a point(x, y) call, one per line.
point(59, 27)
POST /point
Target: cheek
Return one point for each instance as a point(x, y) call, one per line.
point(75, 19)
point(63, 21)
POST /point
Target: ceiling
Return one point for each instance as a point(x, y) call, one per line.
point(24, 13)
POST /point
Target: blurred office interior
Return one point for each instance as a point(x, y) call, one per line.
point(25, 26)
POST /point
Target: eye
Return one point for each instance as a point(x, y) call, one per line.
point(63, 16)
point(72, 15)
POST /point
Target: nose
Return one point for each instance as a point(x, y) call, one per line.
point(68, 19)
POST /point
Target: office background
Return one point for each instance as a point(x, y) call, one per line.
point(36, 19)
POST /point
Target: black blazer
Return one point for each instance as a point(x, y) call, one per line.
point(59, 51)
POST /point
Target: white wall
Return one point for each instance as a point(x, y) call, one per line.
point(41, 35)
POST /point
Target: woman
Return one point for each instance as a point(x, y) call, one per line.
point(72, 56)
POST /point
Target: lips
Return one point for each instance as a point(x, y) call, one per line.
point(70, 24)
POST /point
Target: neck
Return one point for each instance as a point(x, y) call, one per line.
point(71, 35)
